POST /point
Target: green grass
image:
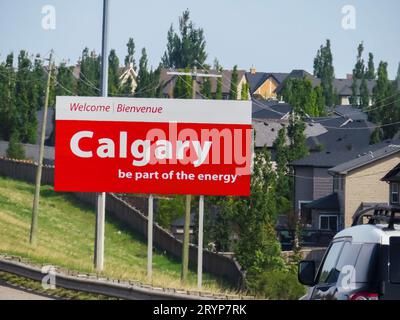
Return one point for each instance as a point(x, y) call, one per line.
point(66, 239)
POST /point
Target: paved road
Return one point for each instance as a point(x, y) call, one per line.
point(9, 293)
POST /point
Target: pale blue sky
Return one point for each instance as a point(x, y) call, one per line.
point(271, 35)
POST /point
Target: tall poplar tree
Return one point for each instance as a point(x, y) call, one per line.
point(233, 94)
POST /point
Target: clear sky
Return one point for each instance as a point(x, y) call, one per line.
point(271, 35)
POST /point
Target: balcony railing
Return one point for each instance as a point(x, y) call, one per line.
point(308, 238)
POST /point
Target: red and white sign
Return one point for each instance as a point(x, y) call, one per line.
point(159, 146)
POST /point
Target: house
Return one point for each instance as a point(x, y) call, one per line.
point(263, 84)
point(393, 178)
point(178, 225)
point(129, 73)
point(167, 81)
point(342, 141)
point(356, 184)
point(269, 85)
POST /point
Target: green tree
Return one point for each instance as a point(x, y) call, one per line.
point(25, 93)
point(148, 80)
point(206, 88)
point(113, 73)
point(257, 246)
point(187, 49)
point(305, 99)
point(39, 83)
point(245, 92)
point(89, 76)
point(283, 182)
point(183, 87)
point(233, 94)
point(66, 83)
point(364, 94)
point(386, 110)
point(8, 109)
point(323, 69)
point(297, 138)
point(15, 149)
point(358, 75)
point(130, 57)
point(370, 72)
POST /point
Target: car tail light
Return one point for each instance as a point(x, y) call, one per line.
point(364, 296)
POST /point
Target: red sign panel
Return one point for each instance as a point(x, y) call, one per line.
point(159, 146)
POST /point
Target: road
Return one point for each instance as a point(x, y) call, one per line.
point(10, 293)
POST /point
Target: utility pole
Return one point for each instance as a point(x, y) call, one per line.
point(186, 234)
point(101, 197)
point(35, 209)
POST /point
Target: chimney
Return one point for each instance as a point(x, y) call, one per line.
point(253, 70)
point(349, 76)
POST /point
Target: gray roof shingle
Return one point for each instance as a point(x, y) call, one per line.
point(366, 158)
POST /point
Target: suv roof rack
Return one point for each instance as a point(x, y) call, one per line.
point(379, 213)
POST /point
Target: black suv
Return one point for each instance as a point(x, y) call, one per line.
point(361, 263)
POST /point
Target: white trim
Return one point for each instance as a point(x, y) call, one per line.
point(172, 110)
point(329, 216)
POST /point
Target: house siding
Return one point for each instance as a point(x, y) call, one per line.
point(303, 185)
point(267, 89)
point(323, 183)
point(365, 185)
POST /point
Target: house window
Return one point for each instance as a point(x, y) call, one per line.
point(394, 193)
point(328, 222)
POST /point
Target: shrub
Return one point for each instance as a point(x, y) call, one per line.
point(15, 149)
point(277, 284)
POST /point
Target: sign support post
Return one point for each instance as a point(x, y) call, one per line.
point(186, 235)
point(150, 239)
point(200, 244)
point(101, 197)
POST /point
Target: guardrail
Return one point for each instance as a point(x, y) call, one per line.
point(108, 287)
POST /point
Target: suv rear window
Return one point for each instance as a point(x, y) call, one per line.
point(394, 258)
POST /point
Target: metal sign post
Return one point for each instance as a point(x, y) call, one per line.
point(150, 239)
point(200, 244)
point(186, 234)
point(101, 197)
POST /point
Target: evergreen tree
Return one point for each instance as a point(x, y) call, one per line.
point(113, 73)
point(130, 57)
point(218, 93)
point(398, 74)
point(233, 94)
point(370, 72)
point(187, 49)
